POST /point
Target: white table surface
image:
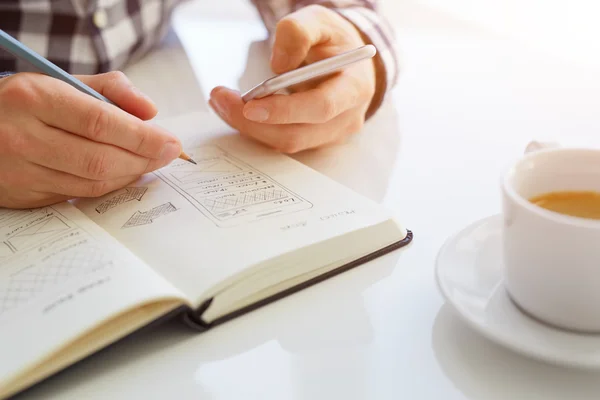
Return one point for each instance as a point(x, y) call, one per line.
point(468, 102)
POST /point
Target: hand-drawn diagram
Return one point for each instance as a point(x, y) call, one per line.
point(40, 248)
point(218, 204)
point(206, 170)
point(227, 190)
point(147, 217)
point(130, 194)
point(21, 230)
point(28, 282)
point(37, 233)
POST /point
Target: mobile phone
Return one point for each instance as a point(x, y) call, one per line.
point(315, 70)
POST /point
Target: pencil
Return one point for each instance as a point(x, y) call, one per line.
point(22, 52)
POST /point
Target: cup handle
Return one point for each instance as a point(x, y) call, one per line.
point(536, 146)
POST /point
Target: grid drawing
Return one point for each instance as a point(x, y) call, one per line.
point(140, 218)
point(227, 203)
point(130, 194)
point(29, 282)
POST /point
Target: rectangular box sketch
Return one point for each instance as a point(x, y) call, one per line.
point(37, 233)
point(42, 248)
point(228, 191)
point(24, 230)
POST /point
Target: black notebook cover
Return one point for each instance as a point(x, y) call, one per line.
point(193, 318)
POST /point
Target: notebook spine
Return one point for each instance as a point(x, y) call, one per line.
point(193, 318)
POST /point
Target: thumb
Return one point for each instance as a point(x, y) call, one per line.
point(119, 89)
point(295, 35)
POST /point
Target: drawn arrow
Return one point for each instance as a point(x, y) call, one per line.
point(130, 194)
point(140, 218)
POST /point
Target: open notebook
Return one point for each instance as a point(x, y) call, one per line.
point(211, 241)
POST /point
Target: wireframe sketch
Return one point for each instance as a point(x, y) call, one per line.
point(261, 194)
point(147, 217)
point(130, 194)
point(58, 267)
point(229, 191)
point(208, 169)
point(37, 233)
point(22, 230)
point(41, 248)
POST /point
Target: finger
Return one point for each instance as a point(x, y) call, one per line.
point(68, 109)
point(63, 151)
point(61, 183)
point(34, 177)
point(321, 104)
point(119, 89)
point(290, 138)
point(295, 34)
point(29, 199)
point(308, 84)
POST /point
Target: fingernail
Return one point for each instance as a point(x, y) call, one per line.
point(170, 151)
point(281, 59)
point(219, 108)
point(214, 91)
point(141, 94)
point(257, 114)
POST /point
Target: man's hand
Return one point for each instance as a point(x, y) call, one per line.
point(58, 143)
point(323, 113)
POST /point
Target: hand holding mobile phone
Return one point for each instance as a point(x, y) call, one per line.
point(318, 69)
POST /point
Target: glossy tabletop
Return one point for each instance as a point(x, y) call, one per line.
point(470, 98)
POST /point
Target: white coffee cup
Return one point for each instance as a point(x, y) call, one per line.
point(552, 261)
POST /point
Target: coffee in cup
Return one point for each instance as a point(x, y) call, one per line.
point(551, 237)
point(582, 204)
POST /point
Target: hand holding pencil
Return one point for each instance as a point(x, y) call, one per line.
point(58, 142)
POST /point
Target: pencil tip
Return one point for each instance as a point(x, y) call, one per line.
point(192, 161)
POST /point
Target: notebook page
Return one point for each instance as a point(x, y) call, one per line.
point(199, 225)
point(61, 275)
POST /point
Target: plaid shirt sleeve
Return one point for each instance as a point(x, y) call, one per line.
point(95, 36)
point(364, 15)
point(84, 37)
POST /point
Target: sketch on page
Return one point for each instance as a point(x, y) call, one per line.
point(40, 249)
point(228, 191)
point(121, 197)
point(140, 218)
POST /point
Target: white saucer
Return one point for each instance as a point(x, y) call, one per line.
point(469, 275)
